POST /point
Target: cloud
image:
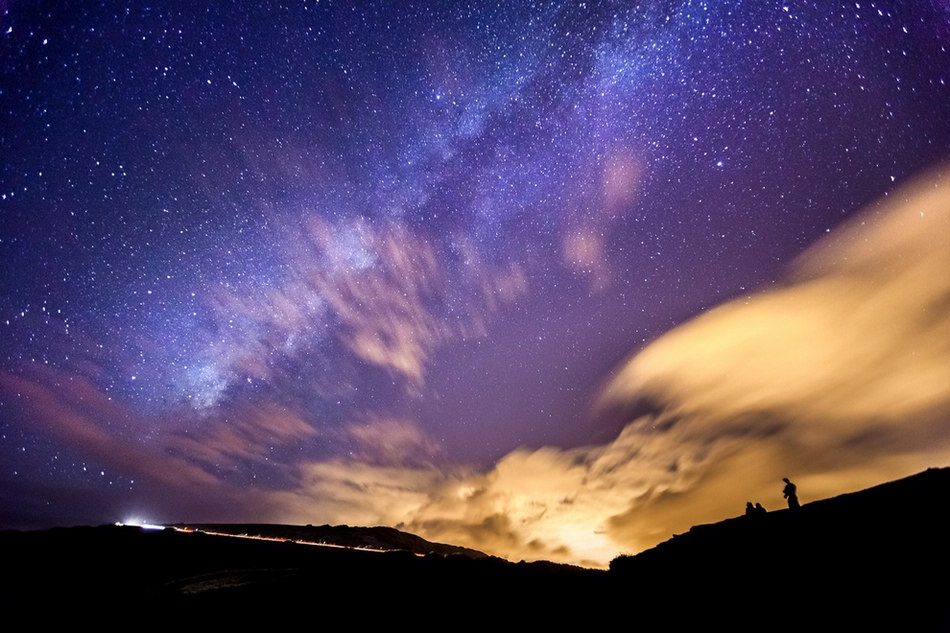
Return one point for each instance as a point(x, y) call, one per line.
point(389, 441)
point(182, 470)
point(387, 296)
point(623, 172)
point(411, 300)
point(351, 492)
point(860, 333)
point(72, 408)
point(839, 379)
point(584, 246)
point(249, 433)
point(546, 503)
point(583, 251)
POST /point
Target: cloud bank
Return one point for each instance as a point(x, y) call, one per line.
point(839, 378)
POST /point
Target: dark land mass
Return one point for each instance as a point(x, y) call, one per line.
point(874, 560)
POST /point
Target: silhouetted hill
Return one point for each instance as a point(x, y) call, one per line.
point(90, 574)
point(876, 559)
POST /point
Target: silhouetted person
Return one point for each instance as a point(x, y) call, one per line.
point(759, 510)
point(790, 492)
point(749, 509)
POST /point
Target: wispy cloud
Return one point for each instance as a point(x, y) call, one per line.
point(70, 407)
point(386, 295)
point(249, 433)
point(584, 247)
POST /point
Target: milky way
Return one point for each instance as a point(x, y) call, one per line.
point(381, 262)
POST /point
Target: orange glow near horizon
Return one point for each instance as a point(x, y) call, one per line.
point(839, 379)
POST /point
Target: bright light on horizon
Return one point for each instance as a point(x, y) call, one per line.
point(140, 524)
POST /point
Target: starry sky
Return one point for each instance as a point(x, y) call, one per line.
point(548, 279)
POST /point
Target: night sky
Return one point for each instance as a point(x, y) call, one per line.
point(548, 279)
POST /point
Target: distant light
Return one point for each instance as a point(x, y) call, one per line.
point(139, 524)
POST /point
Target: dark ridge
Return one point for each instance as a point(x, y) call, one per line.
point(874, 560)
point(93, 573)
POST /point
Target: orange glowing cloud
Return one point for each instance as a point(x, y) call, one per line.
point(860, 334)
point(839, 379)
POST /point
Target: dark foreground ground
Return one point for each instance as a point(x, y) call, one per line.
point(90, 574)
point(878, 560)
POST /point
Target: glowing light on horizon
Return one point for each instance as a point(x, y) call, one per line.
point(139, 524)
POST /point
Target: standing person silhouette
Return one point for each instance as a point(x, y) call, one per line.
point(790, 492)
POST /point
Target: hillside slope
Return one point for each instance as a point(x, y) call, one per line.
point(876, 558)
point(99, 575)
